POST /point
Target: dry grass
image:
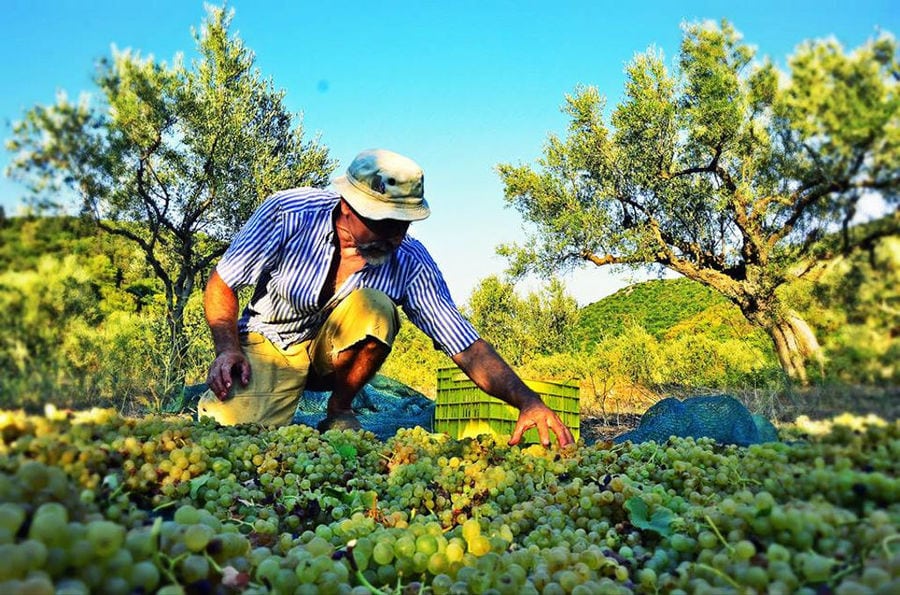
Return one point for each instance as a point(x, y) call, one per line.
point(825, 402)
point(621, 408)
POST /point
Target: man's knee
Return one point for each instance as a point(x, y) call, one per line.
point(372, 313)
point(372, 300)
point(372, 347)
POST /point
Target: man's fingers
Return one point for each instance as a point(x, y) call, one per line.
point(223, 382)
point(228, 371)
point(214, 381)
point(245, 372)
point(546, 421)
point(522, 424)
point(222, 373)
point(517, 433)
point(543, 432)
point(563, 434)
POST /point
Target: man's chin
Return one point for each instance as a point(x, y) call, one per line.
point(376, 259)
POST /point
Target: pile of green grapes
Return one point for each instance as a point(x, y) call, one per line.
point(93, 502)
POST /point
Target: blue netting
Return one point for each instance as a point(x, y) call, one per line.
point(381, 412)
point(720, 417)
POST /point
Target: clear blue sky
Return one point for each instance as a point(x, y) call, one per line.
point(459, 85)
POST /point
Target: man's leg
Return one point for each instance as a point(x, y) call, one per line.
point(277, 378)
point(350, 348)
point(353, 368)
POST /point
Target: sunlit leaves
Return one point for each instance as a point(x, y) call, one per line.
point(712, 99)
point(174, 157)
point(520, 329)
point(54, 148)
point(722, 168)
point(715, 162)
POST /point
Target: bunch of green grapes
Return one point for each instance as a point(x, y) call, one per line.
point(95, 502)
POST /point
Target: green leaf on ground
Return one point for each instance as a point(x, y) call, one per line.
point(639, 515)
point(197, 483)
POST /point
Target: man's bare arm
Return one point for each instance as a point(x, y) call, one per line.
point(221, 307)
point(494, 376)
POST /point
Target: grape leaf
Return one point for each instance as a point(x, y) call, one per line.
point(197, 483)
point(346, 450)
point(639, 515)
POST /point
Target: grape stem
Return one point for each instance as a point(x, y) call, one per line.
point(164, 505)
point(718, 533)
point(359, 575)
point(161, 560)
point(849, 570)
point(167, 565)
point(885, 543)
point(655, 452)
point(720, 574)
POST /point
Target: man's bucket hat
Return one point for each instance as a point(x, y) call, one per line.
point(381, 184)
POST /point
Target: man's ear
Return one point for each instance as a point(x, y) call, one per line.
point(346, 211)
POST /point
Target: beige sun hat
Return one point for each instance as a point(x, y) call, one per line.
point(381, 184)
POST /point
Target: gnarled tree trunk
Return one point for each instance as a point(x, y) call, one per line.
point(794, 340)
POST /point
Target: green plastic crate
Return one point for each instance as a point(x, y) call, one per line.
point(462, 410)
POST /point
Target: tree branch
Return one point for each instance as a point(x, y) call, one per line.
point(801, 204)
point(153, 215)
point(728, 286)
point(142, 189)
point(209, 258)
point(602, 260)
point(207, 174)
point(145, 245)
point(710, 168)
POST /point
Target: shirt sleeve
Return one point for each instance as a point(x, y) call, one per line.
point(255, 247)
point(428, 305)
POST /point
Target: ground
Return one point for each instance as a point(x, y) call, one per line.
point(817, 403)
point(599, 428)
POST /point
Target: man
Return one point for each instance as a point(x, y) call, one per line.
point(329, 270)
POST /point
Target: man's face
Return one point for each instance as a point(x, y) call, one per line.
point(375, 240)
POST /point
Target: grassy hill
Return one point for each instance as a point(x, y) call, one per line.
point(23, 240)
point(657, 306)
point(851, 301)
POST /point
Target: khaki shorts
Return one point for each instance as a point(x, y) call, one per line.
point(278, 376)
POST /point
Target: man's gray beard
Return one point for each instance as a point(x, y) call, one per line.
point(373, 257)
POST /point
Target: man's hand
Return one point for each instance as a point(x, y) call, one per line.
point(494, 376)
point(227, 365)
point(537, 415)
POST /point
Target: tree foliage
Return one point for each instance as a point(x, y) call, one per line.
point(173, 157)
point(78, 332)
point(521, 329)
point(414, 359)
point(853, 300)
point(724, 170)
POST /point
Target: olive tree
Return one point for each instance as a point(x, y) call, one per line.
point(522, 329)
point(724, 169)
point(173, 157)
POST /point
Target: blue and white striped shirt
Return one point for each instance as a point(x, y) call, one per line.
point(285, 250)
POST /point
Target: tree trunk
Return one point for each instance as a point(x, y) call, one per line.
point(795, 343)
point(178, 336)
point(794, 340)
point(176, 364)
